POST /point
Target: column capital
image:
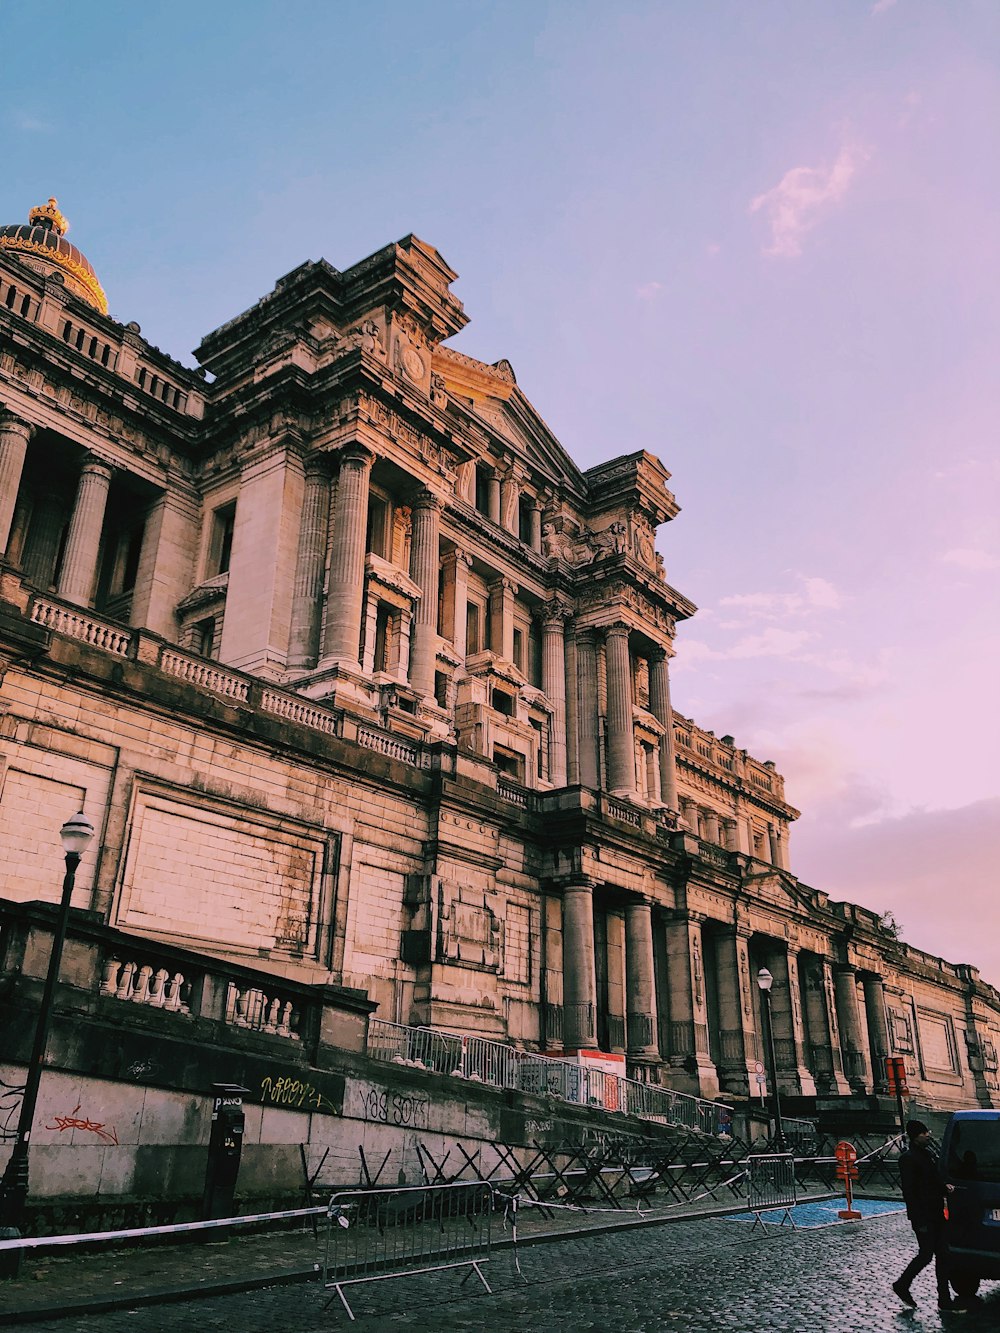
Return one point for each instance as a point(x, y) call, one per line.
point(503, 584)
point(316, 465)
point(555, 614)
point(426, 499)
point(96, 466)
point(618, 630)
point(12, 424)
point(456, 556)
point(355, 453)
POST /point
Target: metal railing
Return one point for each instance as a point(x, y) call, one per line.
point(373, 1235)
point(502, 1066)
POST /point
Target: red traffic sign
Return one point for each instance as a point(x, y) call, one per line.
point(895, 1073)
point(845, 1153)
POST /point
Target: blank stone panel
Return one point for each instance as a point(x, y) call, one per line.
point(32, 809)
point(210, 875)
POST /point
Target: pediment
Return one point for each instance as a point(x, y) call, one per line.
point(779, 889)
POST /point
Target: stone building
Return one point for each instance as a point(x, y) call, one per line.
point(365, 682)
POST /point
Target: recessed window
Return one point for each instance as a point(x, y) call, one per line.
point(519, 649)
point(383, 638)
point(525, 507)
point(220, 548)
point(377, 538)
point(509, 762)
point(473, 628)
point(482, 489)
point(203, 637)
point(503, 703)
point(441, 689)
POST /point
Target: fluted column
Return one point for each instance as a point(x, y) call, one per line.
point(640, 990)
point(586, 665)
point(554, 689)
point(79, 567)
point(347, 558)
point(14, 437)
point(572, 708)
point(307, 591)
point(535, 528)
point(852, 1040)
point(820, 1016)
point(621, 745)
point(712, 833)
point(689, 813)
point(659, 706)
point(425, 565)
point(579, 970)
point(878, 1027)
point(688, 1048)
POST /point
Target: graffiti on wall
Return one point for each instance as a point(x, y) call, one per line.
point(75, 1121)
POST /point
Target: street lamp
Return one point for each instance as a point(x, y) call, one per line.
point(75, 834)
point(765, 981)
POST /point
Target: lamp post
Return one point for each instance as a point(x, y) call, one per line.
point(75, 834)
point(765, 981)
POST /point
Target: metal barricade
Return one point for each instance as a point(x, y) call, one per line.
point(771, 1185)
point(376, 1234)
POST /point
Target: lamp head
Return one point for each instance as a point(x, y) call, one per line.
point(764, 980)
point(76, 834)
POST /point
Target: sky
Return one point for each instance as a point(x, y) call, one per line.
point(757, 239)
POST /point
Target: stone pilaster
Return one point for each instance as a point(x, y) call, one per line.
point(15, 436)
point(535, 528)
point(493, 498)
point(510, 494)
point(789, 1035)
point(455, 594)
point(824, 1056)
point(852, 1039)
point(572, 709)
point(659, 706)
point(579, 971)
point(689, 1055)
point(589, 736)
point(502, 618)
point(554, 689)
point(78, 575)
point(425, 565)
point(307, 593)
point(640, 989)
point(347, 559)
point(738, 1042)
point(621, 741)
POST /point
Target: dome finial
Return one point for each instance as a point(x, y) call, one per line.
point(49, 217)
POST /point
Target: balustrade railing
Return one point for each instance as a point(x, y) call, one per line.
point(406, 752)
point(205, 674)
point(295, 709)
point(80, 625)
point(251, 1007)
point(503, 1066)
point(146, 983)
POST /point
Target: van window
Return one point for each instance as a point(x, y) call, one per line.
point(974, 1150)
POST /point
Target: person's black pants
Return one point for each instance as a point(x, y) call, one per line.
point(931, 1240)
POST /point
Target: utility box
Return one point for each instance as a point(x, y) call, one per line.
point(224, 1149)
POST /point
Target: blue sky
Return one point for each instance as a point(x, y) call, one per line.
point(756, 239)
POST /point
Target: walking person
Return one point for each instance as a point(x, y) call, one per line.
point(924, 1193)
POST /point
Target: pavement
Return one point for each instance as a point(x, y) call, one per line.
point(574, 1270)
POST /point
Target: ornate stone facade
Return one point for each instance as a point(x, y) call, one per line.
point(362, 678)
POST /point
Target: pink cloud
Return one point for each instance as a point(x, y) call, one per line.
point(802, 198)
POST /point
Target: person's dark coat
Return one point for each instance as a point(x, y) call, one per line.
point(923, 1186)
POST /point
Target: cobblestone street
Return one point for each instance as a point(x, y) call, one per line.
point(706, 1274)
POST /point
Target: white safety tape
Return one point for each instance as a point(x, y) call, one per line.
point(136, 1233)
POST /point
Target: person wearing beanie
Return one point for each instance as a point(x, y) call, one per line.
point(924, 1193)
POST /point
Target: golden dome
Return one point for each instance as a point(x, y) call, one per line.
point(45, 248)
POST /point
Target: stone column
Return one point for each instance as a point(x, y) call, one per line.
point(347, 560)
point(712, 827)
point(572, 709)
point(739, 1044)
point(730, 835)
point(689, 813)
point(425, 565)
point(621, 742)
point(455, 588)
point(586, 720)
point(579, 971)
point(42, 545)
point(554, 689)
point(307, 591)
point(502, 618)
point(659, 706)
point(535, 528)
point(15, 435)
point(689, 1058)
point(79, 567)
point(789, 1035)
point(493, 498)
point(878, 1028)
point(852, 1041)
point(640, 990)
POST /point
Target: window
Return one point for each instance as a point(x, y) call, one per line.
point(379, 528)
point(473, 628)
point(203, 637)
point(519, 649)
point(221, 543)
point(503, 703)
point(383, 638)
point(509, 762)
point(441, 689)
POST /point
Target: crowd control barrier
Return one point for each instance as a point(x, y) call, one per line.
point(771, 1185)
point(386, 1233)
